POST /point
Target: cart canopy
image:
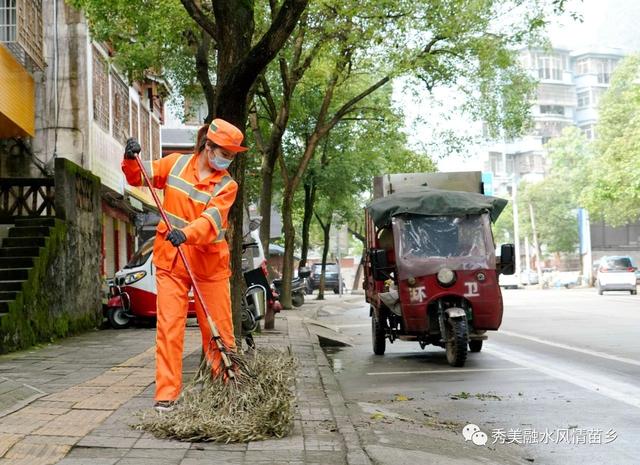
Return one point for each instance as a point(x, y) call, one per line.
point(427, 201)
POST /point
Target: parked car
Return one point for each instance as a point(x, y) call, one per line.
point(616, 273)
point(330, 278)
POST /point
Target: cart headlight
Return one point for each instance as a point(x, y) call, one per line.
point(446, 277)
point(134, 277)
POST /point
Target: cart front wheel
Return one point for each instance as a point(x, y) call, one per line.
point(378, 337)
point(475, 345)
point(118, 318)
point(457, 337)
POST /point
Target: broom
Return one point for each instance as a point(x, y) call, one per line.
point(235, 367)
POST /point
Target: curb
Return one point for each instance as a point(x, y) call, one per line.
point(355, 453)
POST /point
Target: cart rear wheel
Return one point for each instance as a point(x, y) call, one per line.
point(117, 317)
point(475, 345)
point(457, 337)
point(377, 336)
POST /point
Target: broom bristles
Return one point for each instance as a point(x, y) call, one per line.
point(257, 404)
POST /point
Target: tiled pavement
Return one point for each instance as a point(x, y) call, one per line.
point(72, 403)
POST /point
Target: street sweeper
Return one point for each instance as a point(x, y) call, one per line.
point(198, 194)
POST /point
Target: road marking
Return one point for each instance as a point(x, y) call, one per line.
point(575, 349)
point(590, 380)
point(359, 325)
point(457, 370)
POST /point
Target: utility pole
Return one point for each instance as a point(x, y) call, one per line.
point(535, 243)
point(516, 228)
point(338, 260)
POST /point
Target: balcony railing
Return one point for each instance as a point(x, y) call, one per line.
point(30, 197)
point(21, 29)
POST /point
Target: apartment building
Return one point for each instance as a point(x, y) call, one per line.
point(569, 89)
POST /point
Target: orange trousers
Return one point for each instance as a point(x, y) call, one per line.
point(172, 306)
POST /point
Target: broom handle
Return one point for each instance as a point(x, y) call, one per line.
point(196, 289)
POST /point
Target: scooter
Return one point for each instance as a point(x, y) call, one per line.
point(132, 294)
point(257, 298)
point(298, 286)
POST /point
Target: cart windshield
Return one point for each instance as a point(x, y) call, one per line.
point(425, 244)
point(142, 255)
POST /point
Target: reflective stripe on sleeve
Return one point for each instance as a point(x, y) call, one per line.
point(176, 221)
point(214, 214)
point(220, 237)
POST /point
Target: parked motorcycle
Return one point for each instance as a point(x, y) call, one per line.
point(258, 297)
point(298, 286)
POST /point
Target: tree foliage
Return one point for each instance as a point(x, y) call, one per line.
point(612, 184)
point(555, 199)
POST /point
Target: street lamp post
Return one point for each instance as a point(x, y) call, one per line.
point(516, 229)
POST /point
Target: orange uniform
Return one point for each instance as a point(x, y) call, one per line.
point(200, 208)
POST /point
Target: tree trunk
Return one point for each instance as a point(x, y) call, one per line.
point(358, 235)
point(266, 193)
point(238, 66)
point(287, 260)
point(309, 200)
point(326, 230)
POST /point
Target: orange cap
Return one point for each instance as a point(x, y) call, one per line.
point(226, 135)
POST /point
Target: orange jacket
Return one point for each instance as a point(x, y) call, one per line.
point(200, 208)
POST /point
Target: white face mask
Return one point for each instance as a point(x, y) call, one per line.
point(219, 163)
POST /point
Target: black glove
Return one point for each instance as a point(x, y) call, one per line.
point(131, 149)
point(176, 237)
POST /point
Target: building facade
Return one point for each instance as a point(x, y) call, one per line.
point(570, 84)
point(64, 98)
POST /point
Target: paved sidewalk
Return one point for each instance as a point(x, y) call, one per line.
point(72, 402)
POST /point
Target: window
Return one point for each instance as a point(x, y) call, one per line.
point(583, 66)
point(596, 93)
point(120, 105)
point(552, 110)
point(134, 120)
point(589, 131)
point(583, 99)
point(145, 130)
point(616, 263)
point(496, 162)
point(8, 21)
point(604, 68)
point(550, 67)
point(100, 91)
point(156, 150)
point(511, 166)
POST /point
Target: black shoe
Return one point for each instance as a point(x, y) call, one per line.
point(164, 406)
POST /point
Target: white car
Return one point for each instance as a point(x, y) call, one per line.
point(616, 273)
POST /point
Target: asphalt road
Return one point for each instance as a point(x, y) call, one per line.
point(559, 383)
